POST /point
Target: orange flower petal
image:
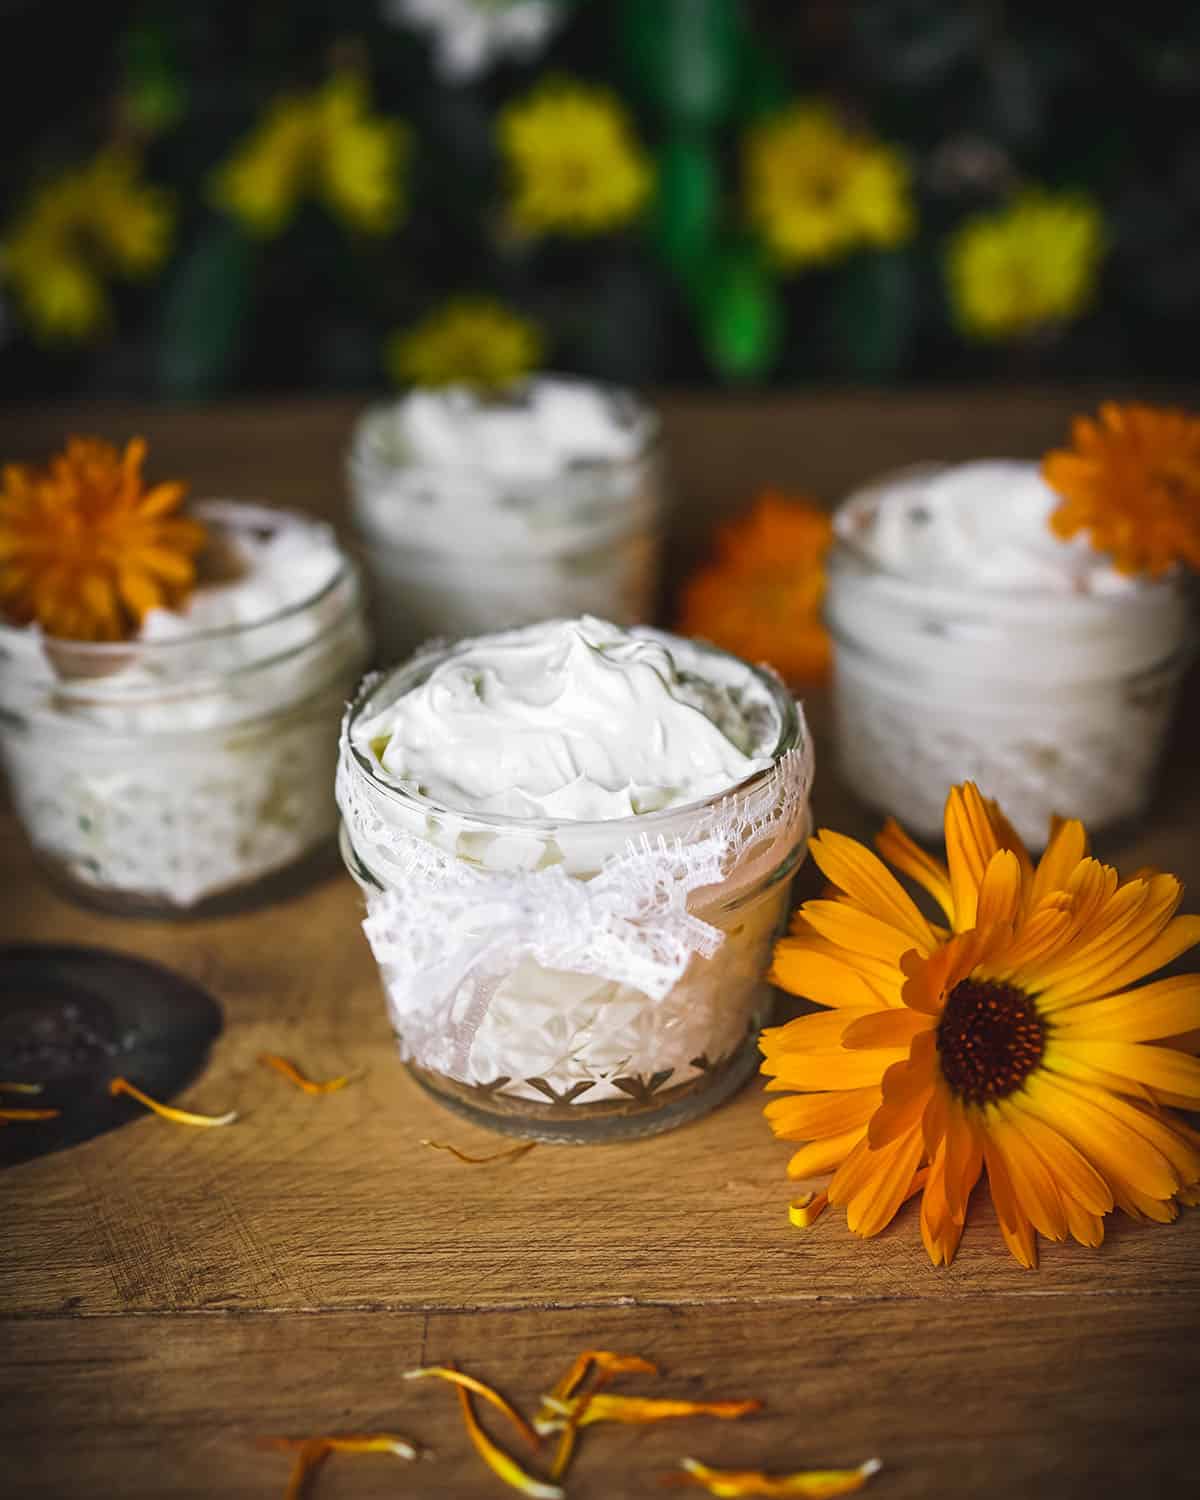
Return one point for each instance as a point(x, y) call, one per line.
point(167, 1111)
point(467, 1382)
point(815, 1484)
point(509, 1153)
point(502, 1464)
point(804, 1211)
point(900, 850)
point(640, 1410)
point(292, 1073)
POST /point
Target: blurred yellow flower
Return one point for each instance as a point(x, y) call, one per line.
point(815, 191)
point(574, 163)
point(325, 144)
point(94, 221)
point(468, 340)
point(1030, 264)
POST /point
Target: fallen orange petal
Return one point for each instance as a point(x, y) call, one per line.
point(607, 1365)
point(815, 1484)
point(807, 1209)
point(356, 1442)
point(21, 1088)
point(636, 1409)
point(293, 1074)
point(313, 1453)
point(502, 1464)
point(470, 1383)
point(29, 1114)
point(168, 1111)
point(510, 1153)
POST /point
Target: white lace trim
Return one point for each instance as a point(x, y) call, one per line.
point(445, 933)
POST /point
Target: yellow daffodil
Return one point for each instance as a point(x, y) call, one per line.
point(815, 191)
point(326, 145)
point(469, 340)
point(575, 166)
point(1034, 263)
point(92, 222)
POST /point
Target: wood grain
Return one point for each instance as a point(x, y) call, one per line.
point(956, 1399)
point(166, 1295)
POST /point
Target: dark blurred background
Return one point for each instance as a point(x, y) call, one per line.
point(206, 198)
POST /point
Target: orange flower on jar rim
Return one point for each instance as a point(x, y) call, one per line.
point(87, 548)
point(1131, 481)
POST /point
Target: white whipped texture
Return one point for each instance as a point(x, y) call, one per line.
point(982, 525)
point(283, 563)
point(538, 430)
point(574, 720)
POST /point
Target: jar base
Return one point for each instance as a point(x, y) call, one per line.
point(596, 1124)
point(265, 890)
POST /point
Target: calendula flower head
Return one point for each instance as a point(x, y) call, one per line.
point(327, 145)
point(815, 191)
point(467, 341)
point(1025, 267)
point(1131, 481)
point(761, 597)
point(1010, 1036)
point(97, 221)
point(86, 548)
point(575, 165)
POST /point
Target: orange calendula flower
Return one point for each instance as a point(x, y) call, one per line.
point(86, 549)
point(814, 1484)
point(1012, 1037)
point(761, 598)
point(1131, 479)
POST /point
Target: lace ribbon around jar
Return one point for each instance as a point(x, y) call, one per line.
point(446, 933)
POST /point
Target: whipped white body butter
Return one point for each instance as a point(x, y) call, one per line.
point(188, 764)
point(970, 642)
point(576, 843)
point(479, 512)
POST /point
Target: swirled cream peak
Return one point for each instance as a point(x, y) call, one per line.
point(980, 525)
point(574, 719)
point(481, 444)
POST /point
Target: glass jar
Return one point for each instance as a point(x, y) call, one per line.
point(577, 981)
point(185, 775)
point(1054, 703)
point(462, 550)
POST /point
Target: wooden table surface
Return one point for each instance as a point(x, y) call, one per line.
point(168, 1295)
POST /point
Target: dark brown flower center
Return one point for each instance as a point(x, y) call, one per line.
point(990, 1038)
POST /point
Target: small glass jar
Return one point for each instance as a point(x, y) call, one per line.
point(1054, 703)
point(463, 550)
point(544, 1050)
point(186, 775)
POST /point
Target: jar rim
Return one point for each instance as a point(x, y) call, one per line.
point(232, 515)
point(792, 735)
point(360, 453)
point(1150, 594)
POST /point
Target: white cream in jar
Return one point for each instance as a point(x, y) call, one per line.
point(480, 512)
point(186, 764)
point(576, 843)
point(971, 642)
